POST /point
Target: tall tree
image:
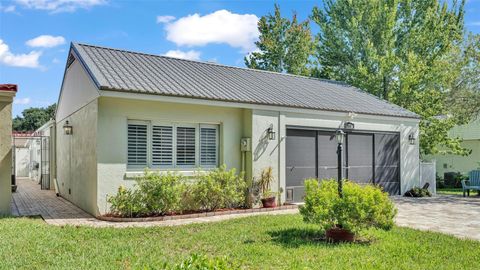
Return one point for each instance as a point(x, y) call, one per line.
point(284, 45)
point(399, 50)
point(33, 118)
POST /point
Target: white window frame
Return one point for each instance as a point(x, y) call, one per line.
point(173, 125)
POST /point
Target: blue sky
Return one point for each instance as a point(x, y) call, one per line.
point(35, 34)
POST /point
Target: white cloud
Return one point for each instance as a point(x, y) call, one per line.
point(7, 9)
point(165, 19)
point(222, 26)
point(190, 55)
point(29, 60)
point(22, 101)
point(46, 41)
point(56, 6)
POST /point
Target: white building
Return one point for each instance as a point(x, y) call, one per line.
point(128, 111)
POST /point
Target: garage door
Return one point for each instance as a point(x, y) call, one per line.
point(370, 158)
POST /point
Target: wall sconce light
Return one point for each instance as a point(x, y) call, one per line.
point(67, 128)
point(411, 139)
point(348, 125)
point(271, 133)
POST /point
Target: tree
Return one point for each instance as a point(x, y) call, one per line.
point(399, 50)
point(284, 45)
point(33, 118)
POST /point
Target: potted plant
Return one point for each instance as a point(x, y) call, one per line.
point(267, 196)
point(342, 218)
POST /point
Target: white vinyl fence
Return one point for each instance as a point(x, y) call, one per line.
point(428, 174)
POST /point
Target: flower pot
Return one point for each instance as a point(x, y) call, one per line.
point(269, 202)
point(339, 235)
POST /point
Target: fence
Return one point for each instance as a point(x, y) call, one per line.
point(428, 174)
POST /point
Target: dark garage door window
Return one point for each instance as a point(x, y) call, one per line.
point(370, 159)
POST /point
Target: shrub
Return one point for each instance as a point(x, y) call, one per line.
point(219, 188)
point(127, 202)
point(360, 207)
point(160, 193)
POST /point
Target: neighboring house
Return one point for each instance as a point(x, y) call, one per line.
point(464, 164)
point(7, 93)
point(120, 112)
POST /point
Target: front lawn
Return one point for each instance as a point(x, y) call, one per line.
point(262, 242)
point(454, 191)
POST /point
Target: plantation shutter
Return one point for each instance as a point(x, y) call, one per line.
point(185, 146)
point(162, 146)
point(208, 146)
point(137, 145)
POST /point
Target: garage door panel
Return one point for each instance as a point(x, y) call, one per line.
point(387, 161)
point(327, 149)
point(360, 174)
point(300, 148)
point(393, 188)
point(296, 176)
point(360, 158)
point(327, 173)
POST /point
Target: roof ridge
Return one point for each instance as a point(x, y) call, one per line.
point(214, 64)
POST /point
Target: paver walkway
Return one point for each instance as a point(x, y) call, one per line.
point(449, 214)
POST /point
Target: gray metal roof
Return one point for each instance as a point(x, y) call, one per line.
point(120, 70)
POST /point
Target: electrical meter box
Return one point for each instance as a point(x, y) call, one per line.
point(245, 145)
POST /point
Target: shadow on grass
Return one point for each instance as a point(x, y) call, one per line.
point(295, 238)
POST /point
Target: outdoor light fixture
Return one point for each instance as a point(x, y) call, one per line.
point(67, 128)
point(411, 139)
point(271, 133)
point(340, 136)
point(349, 125)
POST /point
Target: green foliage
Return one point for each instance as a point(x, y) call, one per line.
point(219, 188)
point(403, 51)
point(285, 45)
point(160, 194)
point(418, 192)
point(127, 203)
point(360, 207)
point(197, 262)
point(33, 118)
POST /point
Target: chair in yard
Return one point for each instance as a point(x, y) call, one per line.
point(473, 183)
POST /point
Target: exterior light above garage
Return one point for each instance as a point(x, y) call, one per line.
point(411, 139)
point(67, 128)
point(349, 125)
point(271, 134)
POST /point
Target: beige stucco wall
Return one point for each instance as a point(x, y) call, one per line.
point(5, 154)
point(272, 153)
point(77, 158)
point(112, 136)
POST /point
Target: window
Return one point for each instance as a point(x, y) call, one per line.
point(137, 144)
point(186, 146)
point(162, 146)
point(208, 146)
point(171, 145)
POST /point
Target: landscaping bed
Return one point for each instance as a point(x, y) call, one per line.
point(218, 212)
point(259, 242)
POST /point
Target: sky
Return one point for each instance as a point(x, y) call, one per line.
point(35, 35)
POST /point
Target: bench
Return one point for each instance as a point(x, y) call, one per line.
point(473, 183)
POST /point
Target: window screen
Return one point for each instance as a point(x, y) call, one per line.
point(137, 145)
point(162, 146)
point(208, 146)
point(185, 146)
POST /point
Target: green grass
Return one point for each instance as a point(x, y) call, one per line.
point(455, 191)
point(261, 242)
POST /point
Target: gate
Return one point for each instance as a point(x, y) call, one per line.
point(31, 157)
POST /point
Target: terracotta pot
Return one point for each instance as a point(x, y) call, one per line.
point(339, 235)
point(269, 202)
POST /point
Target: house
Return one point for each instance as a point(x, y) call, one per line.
point(7, 93)
point(470, 133)
point(120, 112)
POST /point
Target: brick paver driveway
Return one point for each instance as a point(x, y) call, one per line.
point(450, 214)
